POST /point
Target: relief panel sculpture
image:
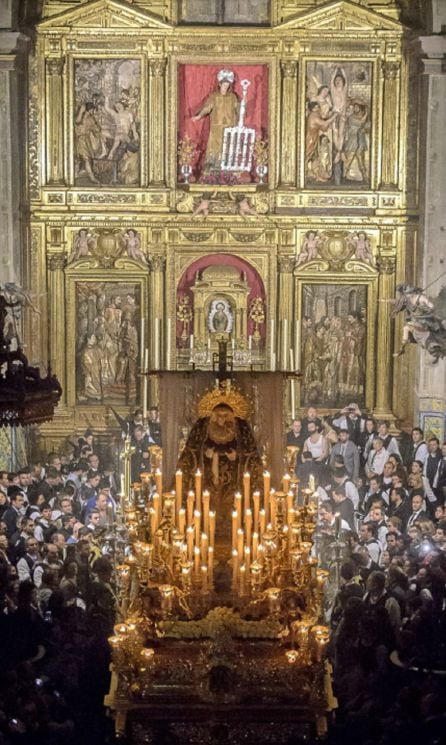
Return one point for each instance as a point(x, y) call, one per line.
point(223, 123)
point(108, 319)
point(107, 98)
point(338, 124)
point(334, 331)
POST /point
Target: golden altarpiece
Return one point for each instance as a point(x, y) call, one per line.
point(247, 169)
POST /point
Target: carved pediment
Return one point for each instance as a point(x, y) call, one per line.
point(104, 14)
point(342, 15)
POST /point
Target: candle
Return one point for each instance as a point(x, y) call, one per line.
point(204, 545)
point(311, 483)
point(179, 488)
point(272, 344)
point(234, 566)
point(157, 344)
point(159, 481)
point(198, 479)
point(191, 342)
point(242, 579)
point(153, 521)
point(256, 500)
point(157, 507)
point(297, 342)
point(204, 578)
point(337, 524)
point(238, 508)
point(190, 542)
point(286, 479)
point(285, 343)
point(197, 525)
point(292, 361)
point(212, 528)
point(293, 398)
point(190, 507)
point(290, 500)
point(168, 345)
point(290, 517)
point(206, 497)
point(272, 509)
point(211, 562)
point(197, 555)
point(266, 490)
point(122, 487)
point(247, 557)
point(240, 537)
point(234, 528)
point(262, 521)
point(181, 520)
point(142, 339)
point(255, 546)
point(250, 342)
point(247, 489)
point(145, 384)
point(248, 526)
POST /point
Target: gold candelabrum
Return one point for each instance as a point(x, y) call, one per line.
point(166, 582)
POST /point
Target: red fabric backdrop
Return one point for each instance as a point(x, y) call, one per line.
point(253, 278)
point(196, 82)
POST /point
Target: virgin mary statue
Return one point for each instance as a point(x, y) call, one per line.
point(221, 445)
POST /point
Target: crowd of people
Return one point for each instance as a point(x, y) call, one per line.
point(382, 534)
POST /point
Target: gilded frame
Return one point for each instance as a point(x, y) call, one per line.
point(70, 114)
point(87, 272)
point(370, 283)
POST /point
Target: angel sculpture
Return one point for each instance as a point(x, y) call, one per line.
point(81, 245)
point(360, 242)
point(425, 321)
point(12, 300)
point(133, 246)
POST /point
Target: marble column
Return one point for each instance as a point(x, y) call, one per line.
point(157, 133)
point(430, 393)
point(288, 125)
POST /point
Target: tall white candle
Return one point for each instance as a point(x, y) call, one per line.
point(145, 384)
point(272, 342)
point(168, 343)
point(157, 344)
point(285, 343)
point(297, 349)
point(141, 341)
point(250, 342)
point(191, 342)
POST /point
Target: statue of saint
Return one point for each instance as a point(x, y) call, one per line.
point(222, 446)
point(219, 319)
point(223, 107)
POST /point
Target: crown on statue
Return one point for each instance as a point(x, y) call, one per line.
point(224, 394)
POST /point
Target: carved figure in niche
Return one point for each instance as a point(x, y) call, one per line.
point(107, 100)
point(133, 246)
point(220, 318)
point(245, 208)
point(202, 207)
point(81, 245)
point(425, 321)
point(223, 107)
point(310, 248)
point(338, 123)
point(361, 244)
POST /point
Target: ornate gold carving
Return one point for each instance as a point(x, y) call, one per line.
point(390, 70)
point(224, 395)
point(286, 263)
point(289, 68)
point(387, 264)
point(157, 67)
point(185, 203)
point(55, 66)
point(338, 201)
point(56, 262)
point(261, 203)
point(33, 130)
point(55, 198)
point(196, 237)
point(108, 198)
point(157, 263)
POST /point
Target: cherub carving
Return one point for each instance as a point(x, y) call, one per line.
point(310, 248)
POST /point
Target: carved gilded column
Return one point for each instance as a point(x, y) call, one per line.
point(156, 314)
point(288, 127)
point(391, 117)
point(384, 346)
point(54, 119)
point(56, 318)
point(157, 133)
point(285, 318)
